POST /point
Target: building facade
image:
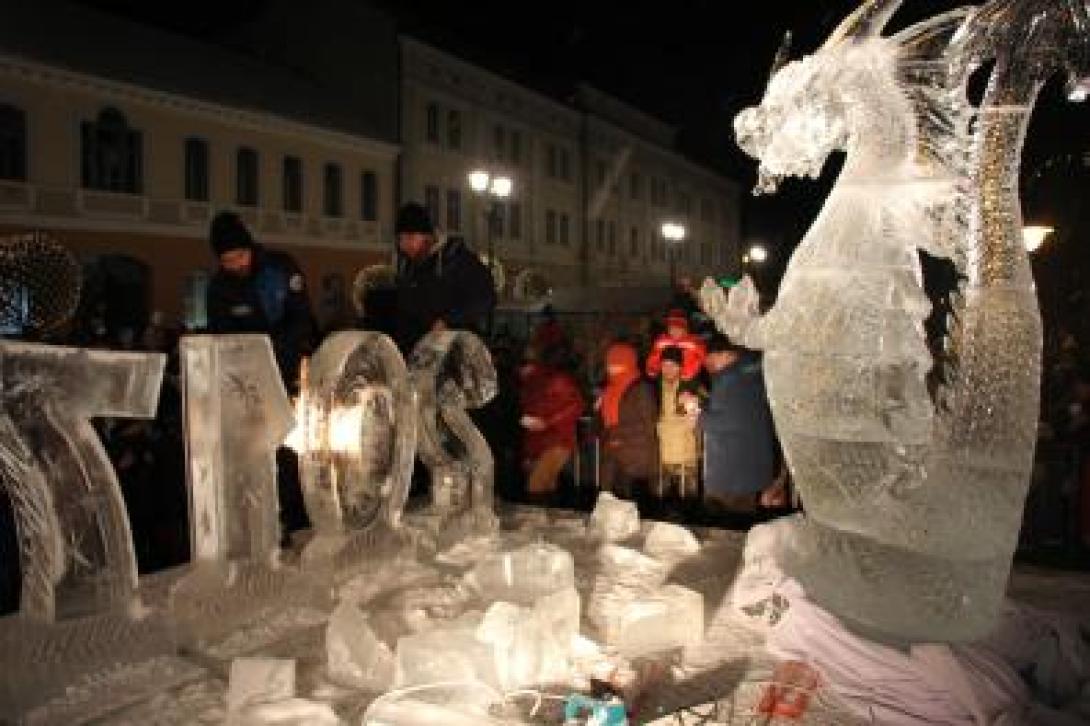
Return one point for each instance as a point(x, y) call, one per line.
point(124, 140)
point(594, 180)
point(115, 168)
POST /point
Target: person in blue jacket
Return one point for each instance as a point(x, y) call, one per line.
point(739, 439)
point(257, 290)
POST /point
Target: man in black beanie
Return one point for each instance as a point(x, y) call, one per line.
point(441, 283)
point(256, 290)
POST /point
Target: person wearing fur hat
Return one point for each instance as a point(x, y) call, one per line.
point(441, 283)
point(677, 335)
point(256, 290)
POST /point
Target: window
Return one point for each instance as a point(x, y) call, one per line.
point(565, 169)
point(369, 196)
point(515, 150)
point(12, 143)
point(634, 242)
point(246, 177)
point(552, 167)
point(514, 220)
point(432, 130)
point(293, 184)
point(564, 230)
point(550, 227)
point(705, 253)
point(612, 238)
point(706, 210)
point(499, 141)
point(600, 235)
point(196, 169)
point(112, 154)
point(454, 210)
point(684, 204)
point(333, 191)
point(601, 165)
point(454, 129)
point(634, 185)
point(431, 201)
point(497, 219)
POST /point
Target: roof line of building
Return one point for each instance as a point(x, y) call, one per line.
point(19, 66)
point(575, 112)
point(509, 83)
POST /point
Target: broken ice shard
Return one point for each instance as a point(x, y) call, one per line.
point(613, 519)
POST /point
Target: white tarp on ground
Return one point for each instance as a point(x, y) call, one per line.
point(970, 685)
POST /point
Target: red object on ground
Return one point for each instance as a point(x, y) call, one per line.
point(789, 693)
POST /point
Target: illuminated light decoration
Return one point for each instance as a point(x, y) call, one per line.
point(1034, 235)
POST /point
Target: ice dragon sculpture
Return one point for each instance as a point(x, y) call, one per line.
point(913, 500)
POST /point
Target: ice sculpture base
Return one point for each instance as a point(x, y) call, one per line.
point(44, 664)
point(215, 598)
point(337, 557)
point(668, 618)
point(889, 594)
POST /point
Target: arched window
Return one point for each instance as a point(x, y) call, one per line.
point(12, 143)
point(112, 154)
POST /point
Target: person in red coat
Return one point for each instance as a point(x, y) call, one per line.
point(551, 406)
point(677, 335)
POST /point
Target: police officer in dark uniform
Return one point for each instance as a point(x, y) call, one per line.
point(256, 290)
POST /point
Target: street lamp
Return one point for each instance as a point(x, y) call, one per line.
point(495, 187)
point(674, 233)
point(1034, 235)
point(757, 254)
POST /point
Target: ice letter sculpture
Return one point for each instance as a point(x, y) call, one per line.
point(76, 551)
point(452, 371)
point(237, 414)
point(356, 434)
point(913, 503)
point(80, 612)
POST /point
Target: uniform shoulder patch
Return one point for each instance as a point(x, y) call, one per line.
point(296, 282)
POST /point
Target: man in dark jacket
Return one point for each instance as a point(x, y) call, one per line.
point(739, 440)
point(441, 283)
point(256, 290)
point(260, 291)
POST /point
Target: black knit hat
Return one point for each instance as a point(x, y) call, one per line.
point(413, 218)
point(227, 232)
point(673, 353)
point(719, 343)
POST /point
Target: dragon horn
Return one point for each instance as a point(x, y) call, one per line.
point(867, 21)
point(782, 54)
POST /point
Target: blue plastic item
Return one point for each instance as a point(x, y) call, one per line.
point(598, 712)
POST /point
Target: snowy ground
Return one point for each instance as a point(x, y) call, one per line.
point(718, 682)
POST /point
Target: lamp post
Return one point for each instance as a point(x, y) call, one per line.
point(494, 188)
point(1034, 235)
point(673, 233)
